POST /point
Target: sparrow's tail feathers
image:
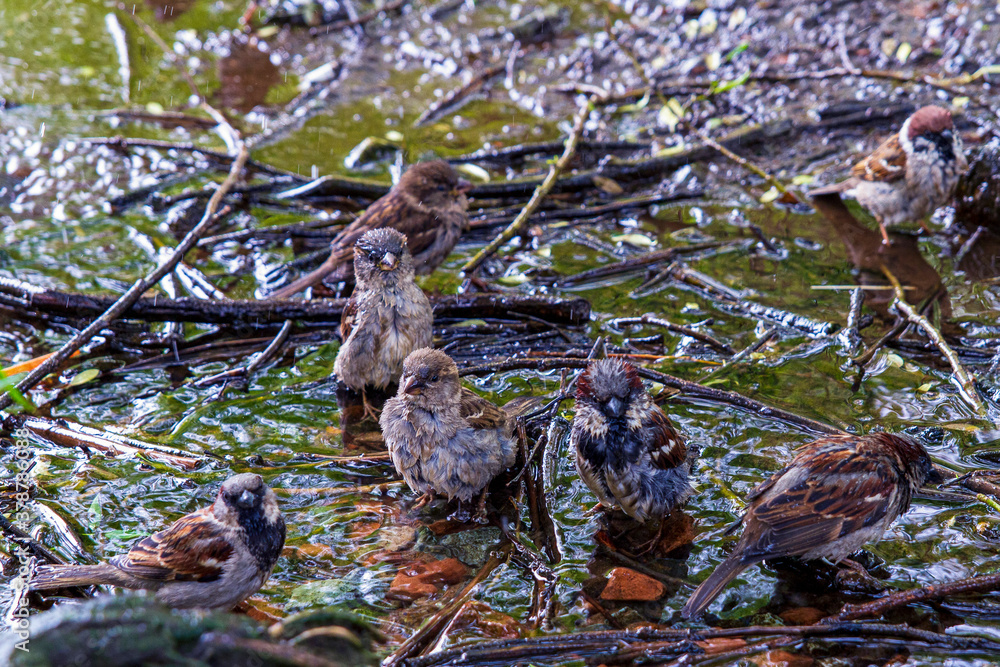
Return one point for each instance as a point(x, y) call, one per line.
point(51, 577)
point(523, 405)
point(711, 587)
point(833, 189)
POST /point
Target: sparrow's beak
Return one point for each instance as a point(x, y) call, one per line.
point(463, 186)
point(246, 500)
point(413, 386)
point(616, 407)
point(389, 262)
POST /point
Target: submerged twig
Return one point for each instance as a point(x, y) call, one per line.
point(966, 387)
point(648, 318)
point(426, 635)
point(982, 584)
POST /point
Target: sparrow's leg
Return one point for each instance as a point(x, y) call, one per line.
point(861, 579)
point(371, 412)
point(653, 543)
point(423, 500)
point(480, 515)
point(885, 234)
point(595, 509)
point(923, 226)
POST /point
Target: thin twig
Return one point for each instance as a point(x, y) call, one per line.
point(982, 584)
point(132, 295)
point(966, 387)
point(540, 192)
point(714, 343)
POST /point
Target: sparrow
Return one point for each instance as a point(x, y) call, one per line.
point(212, 558)
point(442, 438)
point(428, 205)
point(627, 451)
point(911, 174)
point(838, 494)
point(386, 318)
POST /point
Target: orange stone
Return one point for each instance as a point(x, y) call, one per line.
point(421, 579)
point(628, 585)
point(802, 616)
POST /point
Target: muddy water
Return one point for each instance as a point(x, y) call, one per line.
point(61, 75)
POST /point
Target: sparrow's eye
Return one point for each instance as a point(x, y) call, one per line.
point(442, 187)
point(434, 379)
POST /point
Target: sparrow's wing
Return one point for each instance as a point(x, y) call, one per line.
point(480, 413)
point(886, 164)
point(853, 493)
point(374, 216)
point(194, 548)
point(666, 447)
point(348, 318)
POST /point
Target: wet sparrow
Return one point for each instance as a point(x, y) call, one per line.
point(428, 205)
point(627, 451)
point(212, 558)
point(838, 494)
point(444, 439)
point(911, 174)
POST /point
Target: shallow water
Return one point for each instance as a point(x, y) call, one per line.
point(60, 73)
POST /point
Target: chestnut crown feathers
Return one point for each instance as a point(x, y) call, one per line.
point(605, 379)
point(929, 119)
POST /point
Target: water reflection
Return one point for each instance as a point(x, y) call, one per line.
point(246, 75)
point(873, 258)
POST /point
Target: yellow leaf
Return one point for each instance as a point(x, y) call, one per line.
point(770, 195)
point(903, 52)
point(639, 240)
point(84, 377)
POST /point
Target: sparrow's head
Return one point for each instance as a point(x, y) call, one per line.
point(246, 502)
point(609, 385)
point(435, 185)
point(929, 120)
point(382, 253)
point(430, 380)
point(912, 457)
point(246, 497)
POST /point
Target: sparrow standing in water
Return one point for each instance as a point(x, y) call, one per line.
point(838, 494)
point(911, 174)
point(627, 451)
point(428, 205)
point(213, 558)
point(387, 317)
point(443, 438)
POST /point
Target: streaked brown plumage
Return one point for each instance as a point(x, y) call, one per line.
point(387, 317)
point(911, 174)
point(212, 558)
point(838, 494)
point(443, 438)
point(428, 205)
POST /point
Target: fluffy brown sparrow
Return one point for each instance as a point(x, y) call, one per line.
point(387, 317)
point(838, 494)
point(212, 558)
point(627, 451)
point(911, 174)
point(428, 205)
point(443, 438)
